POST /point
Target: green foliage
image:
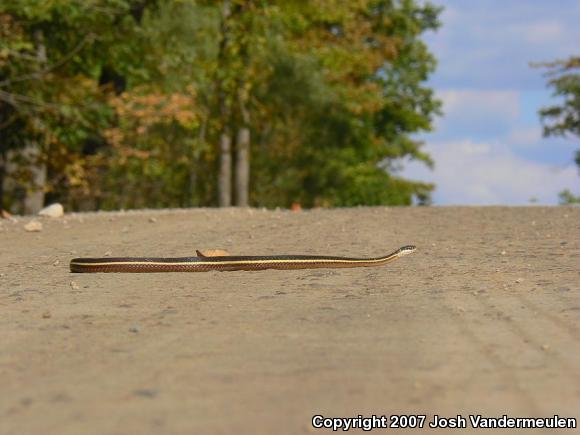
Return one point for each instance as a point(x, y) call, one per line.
point(568, 198)
point(348, 85)
point(124, 98)
point(564, 78)
point(51, 57)
point(564, 119)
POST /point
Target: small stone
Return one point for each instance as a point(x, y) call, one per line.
point(134, 329)
point(146, 392)
point(503, 252)
point(545, 346)
point(107, 254)
point(519, 280)
point(56, 262)
point(53, 210)
point(74, 285)
point(46, 315)
point(4, 214)
point(33, 226)
point(152, 220)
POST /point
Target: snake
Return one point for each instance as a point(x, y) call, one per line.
point(203, 263)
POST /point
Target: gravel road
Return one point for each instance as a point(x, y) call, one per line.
point(483, 319)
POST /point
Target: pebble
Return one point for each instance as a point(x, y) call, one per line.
point(46, 315)
point(74, 285)
point(53, 210)
point(519, 280)
point(33, 226)
point(56, 262)
point(152, 220)
point(146, 392)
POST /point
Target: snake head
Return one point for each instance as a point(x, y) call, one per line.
point(405, 250)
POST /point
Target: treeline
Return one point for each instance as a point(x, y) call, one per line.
point(563, 119)
point(108, 104)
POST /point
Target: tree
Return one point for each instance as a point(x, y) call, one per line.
point(347, 88)
point(564, 119)
point(50, 101)
point(157, 103)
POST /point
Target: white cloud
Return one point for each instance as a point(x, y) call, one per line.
point(477, 112)
point(490, 44)
point(525, 136)
point(542, 32)
point(473, 173)
point(478, 103)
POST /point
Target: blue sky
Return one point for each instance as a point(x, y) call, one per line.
point(488, 146)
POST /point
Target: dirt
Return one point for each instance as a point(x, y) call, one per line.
point(483, 319)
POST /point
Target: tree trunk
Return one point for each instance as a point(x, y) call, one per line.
point(225, 176)
point(34, 199)
point(243, 157)
point(225, 141)
point(2, 174)
point(192, 193)
point(243, 118)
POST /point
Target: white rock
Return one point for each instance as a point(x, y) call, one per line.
point(33, 226)
point(53, 210)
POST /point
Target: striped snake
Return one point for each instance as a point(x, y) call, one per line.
point(203, 263)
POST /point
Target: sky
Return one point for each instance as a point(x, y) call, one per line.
point(488, 146)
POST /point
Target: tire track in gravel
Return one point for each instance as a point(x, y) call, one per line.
point(487, 349)
point(569, 328)
point(529, 328)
